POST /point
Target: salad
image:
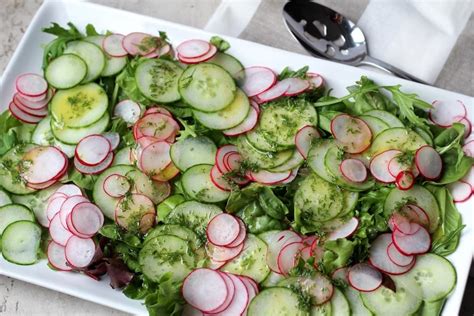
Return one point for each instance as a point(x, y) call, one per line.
point(203, 187)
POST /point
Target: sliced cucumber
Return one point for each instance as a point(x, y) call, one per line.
point(231, 64)
point(175, 230)
point(229, 117)
point(158, 79)
point(169, 204)
point(316, 156)
point(387, 117)
point(376, 125)
point(166, 254)
point(20, 242)
point(113, 65)
point(80, 106)
point(4, 198)
point(272, 279)
point(261, 159)
point(325, 119)
point(10, 178)
point(122, 157)
point(43, 136)
point(256, 139)
point(198, 185)
point(66, 71)
point(207, 87)
point(193, 151)
point(418, 195)
point(355, 301)
point(396, 138)
point(432, 309)
point(72, 136)
point(340, 305)
point(322, 310)
point(276, 301)
point(252, 261)
point(142, 184)
point(11, 213)
point(92, 56)
point(295, 161)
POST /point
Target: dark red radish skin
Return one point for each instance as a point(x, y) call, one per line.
point(288, 257)
point(397, 164)
point(46, 164)
point(231, 292)
point(467, 125)
point(112, 45)
point(219, 180)
point(257, 80)
point(41, 186)
point(69, 190)
point(353, 170)
point(87, 218)
point(316, 80)
point(468, 149)
point(296, 86)
point(205, 289)
point(379, 165)
point(80, 251)
point(267, 177)
point(57, 231)
point(33, 105)
point(242, 235)
point(241, 298)
point(128, 110)
point(42, 112)
point(365, 278)
point(413, 244)
point(157, 109)
point(275, 92)
point(193, 48)
point(444, 113)
point(138, 43)
point(32, 85)
point(158, 125)
point(57, 256)
point(428, 162)
point(304, 139)
point(460, 190)
point(92, 150)
point(346, 230)
point(68, 206)
point(399, 258)
point(95, 169)
point(379, 258)
point(247, 125)
point(278, 242)
point(293, 175)
point(220, 154)
point(223, 230)
point(22, 116)
point(54, 207)
point(351, 132)
point(191, 61)
point(155, 157)
point(405, 180)
point(116, 185)
point(223, 254)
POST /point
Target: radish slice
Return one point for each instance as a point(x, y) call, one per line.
point(296, 86)
point(251, 286)
point(276, 243)
point(242, 234)
point(113, 138)
point(444, 113)
point(41, 186)
point(309, 240)
point(340, 274)
point(221, 152)
point(415, 214)
point(160, 126)
point(379, 165)
point(257, 80)
point(219, 180)
point(165, 50)
point(231, 289)
point(116, 185)
point(33, 105)
point(353, 170)
point(57, 256)
point(112, 45)
point(45, 164)
point(92, 150)
point(21, 115)
point(428, 162)
point(405, 180)
point(223, 230)
point(56, 195)
point(468, 149)
point(278, 90)
point(320, 288)
point(211, 53)
point(460, 190)
point(137, 43)
point(247, 125)
point(214, 265)
point(80, 251)
point(397, 164)
point(315, 80)
point(73, 230)
point(288, 257)
point(240, 301)
point(193, 48)
point(399, 258)
point(54, 207)
point(95, 169)
point(351, 132)
point(402, 222)
point(132, 208)
point(34, 112)
point(364, 277)
point(155, 158)
point(87, 218)
point(147, 222)
point(205, 289)
point(68, 206)
point(469, 177)
point(414, 244)
point(304, 139)
point(32, 85)
point(69, 190)
point(220, 254)
point(128, 110)
point(293, 175)
point(57, 231)
point(305, 253)
point(346, 230)
point(167, 174)
point(233, 161)
point(157, 109)
point(267, 177)
point(467, 125)
point(379, 258)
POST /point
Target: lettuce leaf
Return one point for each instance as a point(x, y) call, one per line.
point(337, 254)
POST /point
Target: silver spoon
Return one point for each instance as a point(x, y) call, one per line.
point(325, 33)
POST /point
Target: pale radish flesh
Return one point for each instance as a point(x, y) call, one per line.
point(460, 190)
point(398, 164)
point(219, 180)
point(212, 51)
point(22, 115)
point(69, 190)
point(193, 48)
point(155, 157)
point(87, 218)
point(278, 90)
point(223, 229)
point(242, 234)
point(32, 85)
point(57, 256)
point(428, 162)
point(204, 289)
point(131, 208)
point(231, 291)
point(351, 132)
point(92, 150)
point(223, 254)
point(57, 231)
point(247, 125)
point(315, 80)
point(467, 125)
point(320, 288)
point(277, 242)
point(221, 152)
point(41, 186)
point(68, 206)
point(296, 86)
point(379, 165)
point(157, 125)
point(240, 301)
point(379, 258)
point(340, 274)
point(267, 177)
point(468, 149)
point(113, 138)
point(346, 230)
point(363, 277)
point(116, 185)
point(42, 164)
point(54, 207)
point(56, 195)
point(33, 105)
point(232, 161)
point(353, 170)
point(288, 257)
point(415, 214)
point(128, 110)
point(112, 45)
point(257, 80)
point(403, 223)
point(399, 258)
point(80, 251)
point(304, 139)
point(73, 230)
point(413, 244)
point(138, 43)
point(444, 113)
point(405, 180)
point(293, 175)
point(157, 109)
point(94, 169)
point(34, 112)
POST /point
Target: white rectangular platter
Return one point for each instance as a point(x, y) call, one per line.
point(28, 58)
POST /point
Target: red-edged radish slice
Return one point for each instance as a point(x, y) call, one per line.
point(113, 138)
point(340, 274)
point(219, 180)
point(346, 230)
point(205, 289)
point(317, 252)
point(405, 180)
point(56, 195)
point(138, 43)
point(251, 286)
point(92, 150)
point(276, 243)
point(73, 230)
point(240, 301)
point(80, 251)
point(293, 175)
point(160, 126)
point(45, 164)
point(278, 90)
point(247, 125)
point(128, 110)
point(364, 277)
point(397, 164)
point(296, 86)
point(220, 254)
point(68, 206)
point(415, 214)
point(223, 230)
point(255, 105)
point(469, 177)
point(460, 190)
point(54, 207)
point(351, 132)
point(468, 149)
point(315, 80)
point(116, 185)
point(21, 115)
point(428, 162)
point(32, 85)
point(267, 177)
point(214, 265)
point(232, 161)
point(242, 234)
point(444, 113)
point(193, 48)
point(211, 53)
point(147, 222)
point(304, 139)
point(57, 231)
point(414, 244)
point(305, 253)
point(221, 152)
point(309, 240)
point(87, 218)
point(379, 165)
point(321, 288)
point(95, 169)
point(231, 289)
point(131, 208)
point(467, 125)
point(378, 256)
point(155, 157)
point(399, 258)
point(40, 186)
point(69, 190)
point(158, 109)
point(257, 80)
point(57, 256)
point(353, 170)
point(33, 105)
point(167, 174)
point(34, 112)
point(166, 50)
point(288, 257)
point(112, 45)
point(403, 223)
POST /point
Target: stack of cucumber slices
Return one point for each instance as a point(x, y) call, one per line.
point(240, 191)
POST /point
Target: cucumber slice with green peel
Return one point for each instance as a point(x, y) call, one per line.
point(10, 179)
point(113, 65)
point(272, 279)
point(166, 254)
point(322, 310)
point(295, 161)
point(66, 71)
point(232, 115)
point(72, 136)
point(262, 159)
point(175, 230)
point(355, 301)
point(417, 195)
point(142, 184)
point(158, 79)
point(169, 204)
point(384, 301)
point(197, 183)
point(376, 125)
point(193, 151)
point(21, 242)
point(386, 117)
point(432, 308)
point(395, 138)
point(122, 157)
point(325, 118)
point(80, 106)
point(4, 198)
point(339, 303)
point(276, 301)
point(12, 213)
point(252, 261)
point(43, 135)
point(256, 139)
point(231, 64)
point(316, 156)
point(92, 56)
point(207, 87)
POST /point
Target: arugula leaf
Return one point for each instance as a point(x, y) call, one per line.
point(221, 44)
point(362, 86)
point(371, 100)
point(407, 103)
point(56, 47)
point(288, 73)
point(8, 138)
point(90, 30)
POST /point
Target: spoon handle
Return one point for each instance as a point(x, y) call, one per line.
point(370, 61)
